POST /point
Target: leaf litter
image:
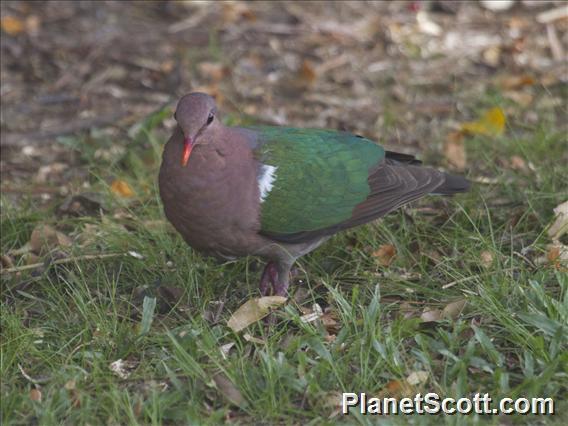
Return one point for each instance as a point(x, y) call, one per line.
point(254, 310)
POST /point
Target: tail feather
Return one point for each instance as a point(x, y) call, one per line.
point(452, 185)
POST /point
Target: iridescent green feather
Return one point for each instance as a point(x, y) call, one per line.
point(321, 175)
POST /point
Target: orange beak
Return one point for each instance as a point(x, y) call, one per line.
point(187, 148)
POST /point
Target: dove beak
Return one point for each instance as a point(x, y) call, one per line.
point(187, 148)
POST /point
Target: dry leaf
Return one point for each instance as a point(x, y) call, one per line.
point(6, 261)
point(560, 225)
point(312, 315)
point(135, 255)
point(454, 309)
point(12, 25)
point(328, 320)
point(512, 82)
point(396, 388)
point(553, 253)
point(492, 56)
point(226, 348)
point(491, 123)
point(169, 294)
point(518, 163)
point(30, 259)
point(307, 72)
point(213, 312)
point(417, 378)
point(123, 368)
point(486, 258)
point(253, 339)
point(212, 70)
point(330, 338)
point(253, 310)
point(212, 90)
point(431, 315)
point(121, 188)
point(385, 254)
point(454, 151)
point(228, 389)
point(32, 24)
point(234, 11)
point(522, 98)
point(44, 239)
point(329, 402)
point(557, 254)
point(35, 394)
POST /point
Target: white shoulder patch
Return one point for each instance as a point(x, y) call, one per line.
point(266, 179)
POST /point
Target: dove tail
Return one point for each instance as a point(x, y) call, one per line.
point(452, 185)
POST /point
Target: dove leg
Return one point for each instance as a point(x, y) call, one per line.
point(280, 286)
point(268, 279)
point(275, 279)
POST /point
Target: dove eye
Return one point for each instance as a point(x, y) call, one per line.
point(210, 118)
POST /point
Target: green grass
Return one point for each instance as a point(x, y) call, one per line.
point(64, 326)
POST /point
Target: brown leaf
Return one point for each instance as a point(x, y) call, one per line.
point(522, 98)
point(121, 188)
point(6, 261)
point(229, 390)
point(253, 311)
point(12, 25)
point(454, 309)
point(385, 254)
point(396, 388)
point(518, 163)
point(512, 82)
point(35, 394)
point(212, 90)
point(308, 73)
point(486, 258)
point(32, 24)
point(557, 255)
point(234, 11)
point(454, 151)
point(329, 321)
point(553, 253)
point(168, 297)
point(44, 239)
point(215, 71)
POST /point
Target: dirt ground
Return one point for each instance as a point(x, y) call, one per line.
point(403, 73)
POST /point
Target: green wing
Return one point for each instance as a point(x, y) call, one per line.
point(320, 176)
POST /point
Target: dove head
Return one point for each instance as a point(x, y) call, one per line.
point(196, 116)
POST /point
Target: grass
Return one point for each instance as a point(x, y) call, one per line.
point(63, 327)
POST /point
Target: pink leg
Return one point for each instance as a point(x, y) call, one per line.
point(268, 281)
point(281, 288)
